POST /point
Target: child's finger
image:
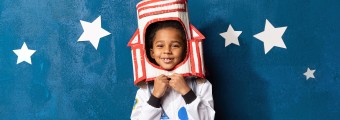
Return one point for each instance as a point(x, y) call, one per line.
point(174, 75)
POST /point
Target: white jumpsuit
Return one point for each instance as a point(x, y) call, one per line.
point(173, 106)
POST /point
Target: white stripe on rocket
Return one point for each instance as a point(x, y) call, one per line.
point(138, 55)
point(170, 7)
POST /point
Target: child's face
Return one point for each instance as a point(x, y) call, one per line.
point(167, 48)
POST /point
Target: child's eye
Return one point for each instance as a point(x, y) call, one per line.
point(159, 46)
point(176, 46)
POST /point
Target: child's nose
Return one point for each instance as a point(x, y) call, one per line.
point(167, 50)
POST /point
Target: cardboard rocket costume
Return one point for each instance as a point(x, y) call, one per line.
point(151, 11)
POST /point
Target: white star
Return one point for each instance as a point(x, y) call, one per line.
point(93, 32)
point(24, 54)
point(231, 36)
point(309, 74)
point(271, 36)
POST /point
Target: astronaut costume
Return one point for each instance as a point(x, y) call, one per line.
point(196, 104)
point(175, 106)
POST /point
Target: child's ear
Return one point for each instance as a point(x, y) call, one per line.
point(152, 53)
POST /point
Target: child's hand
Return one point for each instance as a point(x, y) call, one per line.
point(161, 83)
point(178, 83)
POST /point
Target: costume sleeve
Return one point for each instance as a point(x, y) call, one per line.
point(142, 110)
point(202, 108)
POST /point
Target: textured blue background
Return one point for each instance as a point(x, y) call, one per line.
point(72, 80)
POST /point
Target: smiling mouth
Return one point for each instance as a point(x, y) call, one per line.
point(167, 60)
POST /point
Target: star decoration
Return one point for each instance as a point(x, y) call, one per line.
point(24, 54)
point(309, 73)
point(271, 36)
point(231, 36)
point(93, 32)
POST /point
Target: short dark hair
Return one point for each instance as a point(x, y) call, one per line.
point(152, 29)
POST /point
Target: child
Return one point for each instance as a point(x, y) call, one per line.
point(174, 96)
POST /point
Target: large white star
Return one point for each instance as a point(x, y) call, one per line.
point(24, 54)
point(271, 36)
point(93, 32)
point(309, 73)
point(231, 36)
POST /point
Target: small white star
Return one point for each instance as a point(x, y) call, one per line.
point(24, 54)
point(93, 32)
point(271, 36)
point(231, 36)
point(309, 74)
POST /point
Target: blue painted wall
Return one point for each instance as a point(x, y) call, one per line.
point(72, 80)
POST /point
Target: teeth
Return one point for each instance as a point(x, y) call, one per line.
point(167, 60)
